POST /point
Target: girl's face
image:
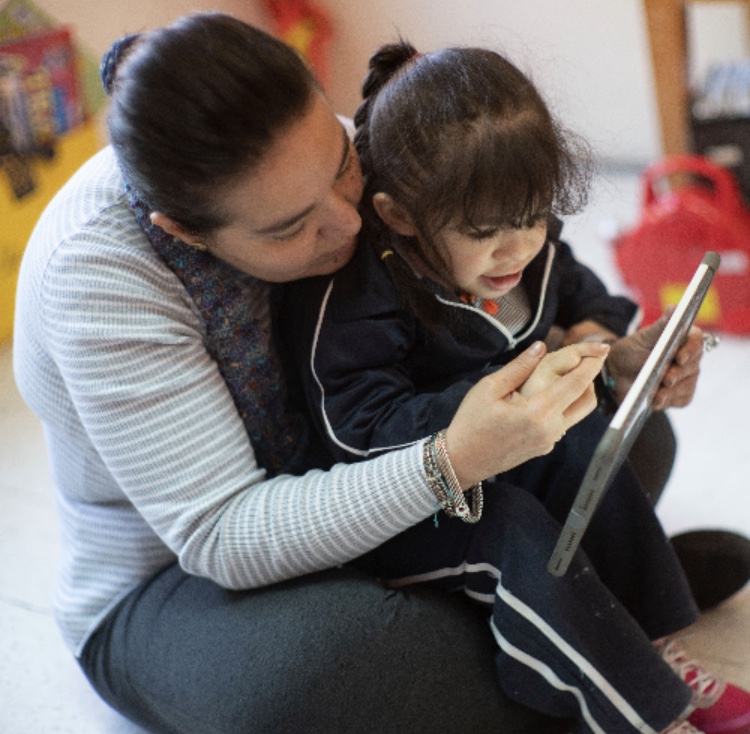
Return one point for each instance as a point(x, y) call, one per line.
point(489, 262)
point(295, 215)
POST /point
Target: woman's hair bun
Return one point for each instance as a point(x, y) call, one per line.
point(112, 58)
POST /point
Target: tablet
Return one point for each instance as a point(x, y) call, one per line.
point(624, 427)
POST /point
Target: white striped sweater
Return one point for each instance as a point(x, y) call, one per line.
point(150, 460)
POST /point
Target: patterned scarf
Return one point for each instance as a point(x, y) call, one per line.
point(278, 435)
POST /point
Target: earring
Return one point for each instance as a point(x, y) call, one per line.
point(200, 246)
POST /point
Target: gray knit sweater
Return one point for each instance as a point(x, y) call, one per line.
point(150, 461)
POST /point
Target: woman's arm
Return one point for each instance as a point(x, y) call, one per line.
point(144, 392)
point(590, 313)
point(630, 353)
point(130, 349)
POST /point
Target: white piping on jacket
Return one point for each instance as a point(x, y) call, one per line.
point(328, 427)
point(513, 340)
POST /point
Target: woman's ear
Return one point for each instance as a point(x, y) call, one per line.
point(175, 229)
point(393, 214)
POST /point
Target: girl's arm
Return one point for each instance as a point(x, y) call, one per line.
point(586, 307)
point(362, 392)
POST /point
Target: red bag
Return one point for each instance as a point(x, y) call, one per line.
point(690, 206)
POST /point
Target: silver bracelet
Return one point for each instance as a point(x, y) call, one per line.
point(442, 480)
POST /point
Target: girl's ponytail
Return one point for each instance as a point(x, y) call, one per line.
point(385, 63)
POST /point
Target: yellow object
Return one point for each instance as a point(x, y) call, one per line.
point(18, 217)
point(301, 35)
point(710, 310)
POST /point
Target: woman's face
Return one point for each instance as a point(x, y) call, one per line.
point(295, 215)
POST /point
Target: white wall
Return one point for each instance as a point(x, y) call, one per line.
point(590, 58)
point(99, 22)
point(717, 32)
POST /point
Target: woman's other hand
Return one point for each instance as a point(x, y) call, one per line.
point(497, 428)
point(629, 353)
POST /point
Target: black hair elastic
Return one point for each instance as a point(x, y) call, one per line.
point(112, 58)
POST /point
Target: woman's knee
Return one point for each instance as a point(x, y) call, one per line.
point(397, 660)
point(335, 651)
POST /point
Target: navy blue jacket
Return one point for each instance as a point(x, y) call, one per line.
point(375, 379)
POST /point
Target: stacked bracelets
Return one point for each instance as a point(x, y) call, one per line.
point(443, 482)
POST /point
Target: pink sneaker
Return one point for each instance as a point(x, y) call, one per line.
point(729, 715)
point(717, 707)
point(684, 727)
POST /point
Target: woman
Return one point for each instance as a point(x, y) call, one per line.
point(194, 589)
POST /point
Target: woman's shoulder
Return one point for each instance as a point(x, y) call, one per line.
point(88, 218)
point(97, 182)
point(88, 248)
point(93, 197)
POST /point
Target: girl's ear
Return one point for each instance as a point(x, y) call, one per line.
point(393, 214)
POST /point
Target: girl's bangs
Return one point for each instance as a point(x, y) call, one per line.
point(493, 183)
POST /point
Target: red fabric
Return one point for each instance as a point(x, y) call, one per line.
point(303, 25)
point(729, 715)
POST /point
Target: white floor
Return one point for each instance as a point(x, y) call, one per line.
point(42, 690)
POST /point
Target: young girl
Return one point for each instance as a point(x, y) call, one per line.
point(460, 268)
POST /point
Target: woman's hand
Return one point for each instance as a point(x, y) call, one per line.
point(497, 428)
point(629, 353)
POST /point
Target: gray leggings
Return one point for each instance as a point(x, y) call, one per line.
point(332, 652)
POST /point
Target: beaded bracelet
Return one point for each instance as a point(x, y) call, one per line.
point(443, 482)
point(609, 381)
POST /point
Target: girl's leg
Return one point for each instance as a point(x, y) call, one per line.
point(624, 540)
point(332, 652)
point(567, 646)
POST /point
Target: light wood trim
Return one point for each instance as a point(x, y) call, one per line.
point(667, 35)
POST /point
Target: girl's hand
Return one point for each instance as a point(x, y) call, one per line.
point(628, 355)
point(497, 428)
point(559, 363)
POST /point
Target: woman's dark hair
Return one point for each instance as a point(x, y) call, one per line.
point(196, 104)
point(459, 136)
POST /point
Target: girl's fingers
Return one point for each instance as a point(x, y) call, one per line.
point(512, 376)
point(570, 387)
point(568, 358)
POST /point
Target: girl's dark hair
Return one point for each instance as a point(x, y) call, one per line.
point(459, 136)
point(196, 104)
